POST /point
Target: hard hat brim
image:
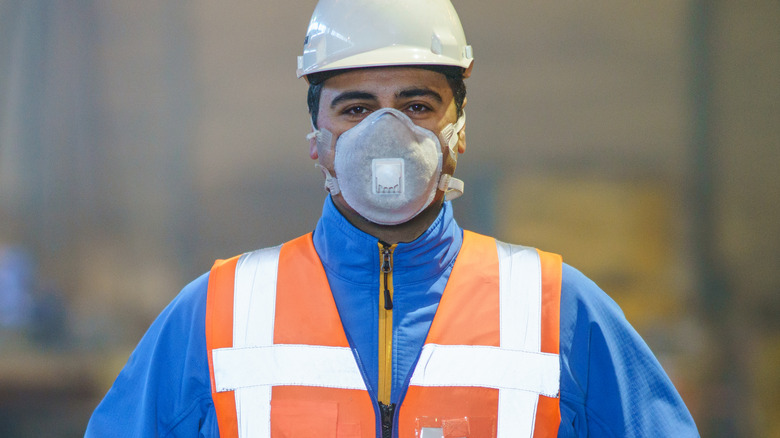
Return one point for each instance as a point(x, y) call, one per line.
point(387, 56)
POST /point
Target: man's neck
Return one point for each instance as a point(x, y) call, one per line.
point(392, 234)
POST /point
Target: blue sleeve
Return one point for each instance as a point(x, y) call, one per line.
point(164, 389)
point(611, 383)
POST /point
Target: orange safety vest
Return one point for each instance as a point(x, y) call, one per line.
point(281, 365)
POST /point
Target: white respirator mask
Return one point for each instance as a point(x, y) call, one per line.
point(387, 168)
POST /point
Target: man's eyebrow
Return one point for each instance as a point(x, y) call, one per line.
point(352, 95)
point(418, 92)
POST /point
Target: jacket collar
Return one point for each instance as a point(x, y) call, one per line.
point(353, 255)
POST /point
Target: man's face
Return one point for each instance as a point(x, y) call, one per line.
point(423, 95)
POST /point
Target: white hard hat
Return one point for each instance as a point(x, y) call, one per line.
point(370, 33)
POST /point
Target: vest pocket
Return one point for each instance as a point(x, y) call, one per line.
point(462, 427)
point(305, 419)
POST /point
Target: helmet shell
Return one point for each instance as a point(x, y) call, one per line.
point(346, 34)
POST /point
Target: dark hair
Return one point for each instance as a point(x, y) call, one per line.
point(454, 79)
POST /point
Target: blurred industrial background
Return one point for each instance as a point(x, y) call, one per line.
point(141, 140)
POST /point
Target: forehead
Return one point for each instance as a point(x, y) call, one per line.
point(386, 81)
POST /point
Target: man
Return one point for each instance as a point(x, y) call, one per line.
point(389, 319)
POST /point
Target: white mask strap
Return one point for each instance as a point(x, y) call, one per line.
point(451, 186)
point(331, 183)
point(450, 133)
point(324, 139)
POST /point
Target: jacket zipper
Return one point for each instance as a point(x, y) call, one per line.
point(387, 273)
point(388, 414)
point(385, 334)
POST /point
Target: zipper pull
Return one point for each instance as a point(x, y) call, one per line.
point(386, 269)
point(387, 412)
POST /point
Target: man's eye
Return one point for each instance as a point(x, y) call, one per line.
point(418, 108)
point(355, 110)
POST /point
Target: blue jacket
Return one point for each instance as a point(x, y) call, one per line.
point(611, 384)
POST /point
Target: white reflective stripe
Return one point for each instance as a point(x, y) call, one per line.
point(254, 307)
point(253, 411)
point(516, 414)
point(487, 367)
point(254, 299)
point(286, 364)
point(520, 288)
point(520, 283)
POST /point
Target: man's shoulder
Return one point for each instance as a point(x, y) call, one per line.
point(577, 290)
point(580, 296)
point(194, 291)
point(580, 292)
point(187, 307)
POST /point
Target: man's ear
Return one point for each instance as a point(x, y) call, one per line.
point(462, 133)
point(467, 72)
point(312, 146)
